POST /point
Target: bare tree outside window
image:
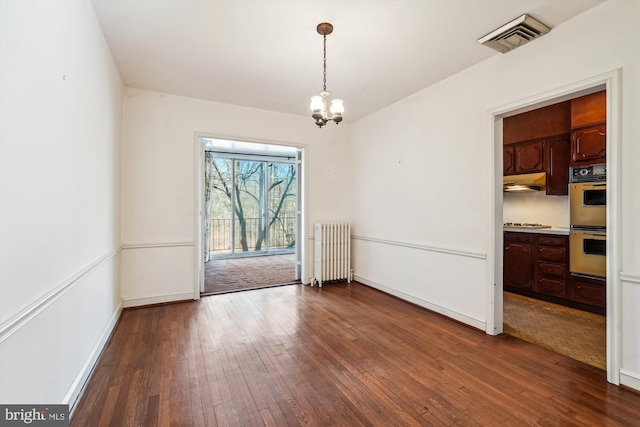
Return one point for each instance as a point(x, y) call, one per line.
point(264, 215)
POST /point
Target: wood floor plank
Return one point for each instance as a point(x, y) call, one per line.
point(343, 355)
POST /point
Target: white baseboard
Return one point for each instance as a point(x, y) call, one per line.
point(630, 379)
point(77, 386)
point(422, 303)
point(137, 302)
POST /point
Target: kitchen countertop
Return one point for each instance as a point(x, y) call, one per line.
point(553, 230)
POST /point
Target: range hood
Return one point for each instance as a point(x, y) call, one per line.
point(525, 182)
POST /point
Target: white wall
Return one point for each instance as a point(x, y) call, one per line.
point(422, 175)
point(159, 182)
point(537, 208)
point(61, 99)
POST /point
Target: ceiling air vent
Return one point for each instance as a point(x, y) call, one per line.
point(514, 34)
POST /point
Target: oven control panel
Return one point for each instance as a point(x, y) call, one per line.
point(589, 173)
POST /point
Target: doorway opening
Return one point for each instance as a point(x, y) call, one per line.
point(497, 297)
point(251, 216)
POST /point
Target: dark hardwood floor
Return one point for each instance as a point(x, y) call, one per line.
point(342, 355)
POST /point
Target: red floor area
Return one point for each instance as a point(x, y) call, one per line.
point(235, 274)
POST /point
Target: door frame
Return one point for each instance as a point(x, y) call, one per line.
point(611, 81)
point(198, 217)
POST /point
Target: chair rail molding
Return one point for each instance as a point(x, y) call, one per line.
point(449, 251)
point(16, 322)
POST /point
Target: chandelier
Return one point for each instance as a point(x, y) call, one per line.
point(319, 102)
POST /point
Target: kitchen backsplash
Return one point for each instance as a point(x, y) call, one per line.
point(536, 207)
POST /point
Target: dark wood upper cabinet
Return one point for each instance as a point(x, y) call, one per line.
point(550, 155)
point(589, 145)
point(589, 109)
point(558, 150)
point(508, 161)
point(589, 129)
point(550, 139)
point(529, 157)
point(540, 123)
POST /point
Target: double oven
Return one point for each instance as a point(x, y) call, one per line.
point(588, 220)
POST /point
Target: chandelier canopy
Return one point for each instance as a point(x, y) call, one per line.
point(319, 102)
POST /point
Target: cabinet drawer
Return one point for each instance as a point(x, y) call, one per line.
point(511, 237)
point(552, 240)
point(550, 286)
point(589, 291)
point(551, 269)
point(551, 253)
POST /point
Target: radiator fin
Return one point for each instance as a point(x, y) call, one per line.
point(332, 252)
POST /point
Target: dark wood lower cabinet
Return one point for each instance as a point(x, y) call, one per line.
point(551, 286)
point(537, 265)
point(518, 261)
point(588, 290)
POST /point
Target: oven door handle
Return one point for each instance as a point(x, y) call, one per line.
point(595, 234)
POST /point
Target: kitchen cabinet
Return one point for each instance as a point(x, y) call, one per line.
point(589, 290)
point(551, 264)
point(529, 157)
point(550, 155)
point(558, 151)
point(589, 109)
point(589, 129)
point(539, 123)
point(540, 141)
point(537, 265)
point(589, 145)
point(508, 160)
point(518, 260)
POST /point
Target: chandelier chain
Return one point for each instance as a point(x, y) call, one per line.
point(324, 64)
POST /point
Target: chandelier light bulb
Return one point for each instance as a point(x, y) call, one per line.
point(316, 104)
point(337, 107)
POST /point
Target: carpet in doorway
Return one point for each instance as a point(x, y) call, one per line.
point(237, 274)
point(578, 334)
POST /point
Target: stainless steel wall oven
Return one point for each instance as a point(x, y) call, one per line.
point(588, 214)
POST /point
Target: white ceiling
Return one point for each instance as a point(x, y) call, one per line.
point(267, 54)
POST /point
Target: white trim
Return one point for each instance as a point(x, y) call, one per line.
point(630, 379)
point(12, 325)
point(612, 82)
point(288, 160)
point(137, 302)
point(449, 251)
point(494, 306)
point(127, 246)
point(631, 278)
point(198, 217)
point(77, 388)
point(614, 215)
point(476, 323)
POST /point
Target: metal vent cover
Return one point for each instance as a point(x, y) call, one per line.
point(515, 34)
